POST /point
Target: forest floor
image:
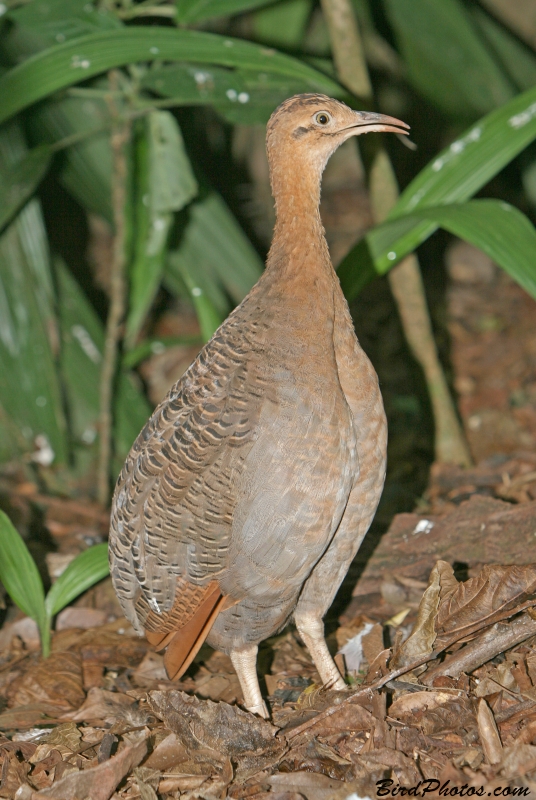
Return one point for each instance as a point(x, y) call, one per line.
point(451, 709)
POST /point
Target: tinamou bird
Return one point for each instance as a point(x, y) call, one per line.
point(247, 494)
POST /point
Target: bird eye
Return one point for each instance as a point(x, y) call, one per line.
point(322, 118)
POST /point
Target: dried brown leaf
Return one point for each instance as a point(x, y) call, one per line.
point(519, 761)
point(181, 783)
point(489, 735)
point(98, 783)
point(347, 718)
point(279, 796)
point(311, 785)
point(290, 657)
point(495, 588)
point(28, 716)
point(66, 735)
point(220, 727)
point(85, 618)
point(519, 671)
point(421, 641)
point(434, 712)
point(50, 756)
point(110, 707)
point(14, 773)
point(167, 754)
point(527, 734)
point(146, 792)
point(151, 669)
point(373, 643)
point(110, 645)
point(218, 687)
point(378, 667)
point(385, 758)
point(56, 680)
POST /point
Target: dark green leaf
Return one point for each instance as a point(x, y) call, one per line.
point(456, 174)
point(497, 228)
point(172, 183)
point(216, 253)
point(517, 60)
point(151, 347)
point(520, 17)
point(19, 184)
point(19, 574)
point(82, 338)
point(446, 60)
point(85, 167)
point(29, 388)
point(76, 61)
point(464, 167)
point(53, 22)
point(240, 96)
point(207, 314)
point(83, 572)
point(283, 24)
point(198, 10)
point(166, 183)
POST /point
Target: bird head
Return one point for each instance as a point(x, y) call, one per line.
point(313, 126)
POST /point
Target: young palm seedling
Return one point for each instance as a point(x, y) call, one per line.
point(21, 579)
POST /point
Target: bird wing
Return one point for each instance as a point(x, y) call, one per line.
point(174, 501)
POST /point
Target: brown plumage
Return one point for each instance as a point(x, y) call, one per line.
point(246, 496)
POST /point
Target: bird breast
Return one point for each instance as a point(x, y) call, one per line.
point(296, 478)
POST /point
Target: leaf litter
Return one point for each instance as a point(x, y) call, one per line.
point(100, 719)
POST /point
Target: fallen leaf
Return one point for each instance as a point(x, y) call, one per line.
point(149, 670)
point(14, 773)
point(98, 783)
point(421, 641)
point(309, 784)
point(167, 754)
point(519, 761)
point(435, 712)
point(489, 735)
point(56, 680)
point(475, 601)
point(26, 629)
point(28, 716)
point(73, 617)
point(181, 783)
point(353, 650)
point(386, 758)
point(225, 729)
point(218, 687)
point(109, 707)
point(352, 717)
point(66, 735)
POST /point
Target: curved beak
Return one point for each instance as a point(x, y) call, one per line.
point(368, 122)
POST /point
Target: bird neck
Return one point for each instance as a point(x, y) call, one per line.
point(299, 250)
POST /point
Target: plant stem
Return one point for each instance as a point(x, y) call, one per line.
point(44, 633)
point(407, 287)
point(347, 46)
point(120, 136)
point(405, 279)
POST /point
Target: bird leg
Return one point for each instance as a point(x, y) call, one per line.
point(245, 663)
point(311, 630)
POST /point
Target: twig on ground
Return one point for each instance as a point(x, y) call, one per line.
point(497, 639)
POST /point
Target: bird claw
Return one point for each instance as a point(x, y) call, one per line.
point(259, 710)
